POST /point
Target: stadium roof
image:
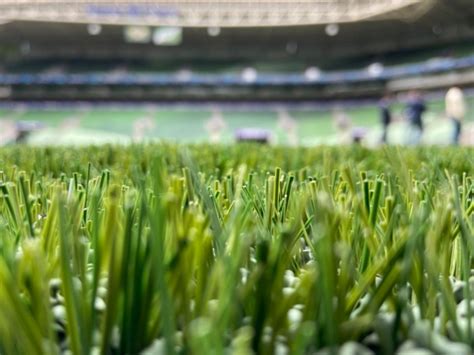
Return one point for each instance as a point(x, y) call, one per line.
point(209, 13)
point(52, 31)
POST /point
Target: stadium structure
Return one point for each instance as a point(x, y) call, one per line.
point(211, 13)
point(232, 50)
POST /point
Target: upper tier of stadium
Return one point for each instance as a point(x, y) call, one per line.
point(221, 13)
point(319, 32)
point(318, 48)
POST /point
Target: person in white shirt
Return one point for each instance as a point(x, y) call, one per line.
point(216, 125)
point(455, 110)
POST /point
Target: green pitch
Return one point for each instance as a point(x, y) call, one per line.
point(102, 125)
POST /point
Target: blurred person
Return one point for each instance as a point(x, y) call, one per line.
point(215, 125)
point(341, 120)
point(71, 123)
point(141, 126)
point(8, 132)
point(414, 111)
point(455, 110)
point(385, 115)
point(288, 125)
point(343, 125)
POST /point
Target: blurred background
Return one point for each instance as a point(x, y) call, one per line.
point(292, 73)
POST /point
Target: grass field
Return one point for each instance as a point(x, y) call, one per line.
point(201, 249)
point(98, 125)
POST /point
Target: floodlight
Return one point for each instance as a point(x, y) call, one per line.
point(249, 75)
point(94, 29)
point(332, 29)
point(184, 75)
point(168, 36)
point(213, 31)
point(137, 34)
point(375, 69)
point(312, 74)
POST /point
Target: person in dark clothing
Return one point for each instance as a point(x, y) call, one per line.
point(385, 116)
point(415, 109)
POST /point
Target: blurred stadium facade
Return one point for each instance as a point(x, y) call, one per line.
point(315, 51)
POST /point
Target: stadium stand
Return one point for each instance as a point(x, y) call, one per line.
point(321, 53)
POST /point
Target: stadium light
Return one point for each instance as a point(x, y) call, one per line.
point(184, 75)
point(168, 36)
point(332, 29)
point(137, 34)
point(249, 75)
point(213, 31)
point(375, 69)
point(94, 29)
point(312, 74)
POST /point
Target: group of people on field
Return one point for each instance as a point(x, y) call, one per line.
point(455, 108)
